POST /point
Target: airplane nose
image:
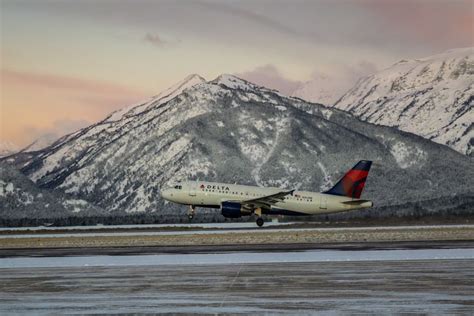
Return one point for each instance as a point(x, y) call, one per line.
point(165, 194)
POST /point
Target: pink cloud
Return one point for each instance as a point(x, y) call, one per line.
point(322, 87)
point(269, 76)
point(66, 82)
point(449, 23)
point(48, 106)
point(42, 137)
point(327, 88)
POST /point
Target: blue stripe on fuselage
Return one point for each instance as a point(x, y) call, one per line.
point(280, 211)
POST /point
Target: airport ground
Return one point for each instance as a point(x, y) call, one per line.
point(276, 270)
point(222, 234)
point(442, 287)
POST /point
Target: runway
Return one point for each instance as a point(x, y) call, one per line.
point(436, 281)
point(225, 235)
point(238, 270)
point(159, 230)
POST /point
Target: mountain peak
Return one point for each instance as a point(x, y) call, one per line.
point(188, 82)
point(233, 82)
point(430, 97)
point(162, 97)
point(195, 77)
point(218, 133)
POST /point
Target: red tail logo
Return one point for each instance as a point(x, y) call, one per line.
point(353, 182)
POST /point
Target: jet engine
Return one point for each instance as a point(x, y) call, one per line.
point(231, 209)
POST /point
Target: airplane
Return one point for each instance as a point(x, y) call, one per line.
point(235, 200)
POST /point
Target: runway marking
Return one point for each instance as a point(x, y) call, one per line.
point(230, 287)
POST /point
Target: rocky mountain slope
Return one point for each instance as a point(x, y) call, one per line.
point(432, 97)
point(21, 198)
point(230, 130)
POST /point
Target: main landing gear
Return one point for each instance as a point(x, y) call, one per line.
point(259, 221)
point(191, 212)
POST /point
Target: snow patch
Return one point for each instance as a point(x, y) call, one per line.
point(327, 113)
point(326, 183)
point(406, 156)
point(9, 188)
point(74, 205)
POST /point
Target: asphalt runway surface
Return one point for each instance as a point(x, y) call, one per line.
point(351, 278)
point(150, 250)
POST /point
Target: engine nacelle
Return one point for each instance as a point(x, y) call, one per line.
point(231, 209)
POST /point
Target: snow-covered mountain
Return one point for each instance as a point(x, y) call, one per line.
point(21, 198)
point(162, 97)
point(432, 97)
point(7, 148)
point(230, 130)
point(40, 143)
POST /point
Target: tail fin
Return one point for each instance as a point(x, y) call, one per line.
point(353, 182)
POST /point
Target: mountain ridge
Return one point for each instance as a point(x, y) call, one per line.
point(230, 130)
point(432, 97)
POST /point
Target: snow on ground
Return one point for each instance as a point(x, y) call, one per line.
point(210, 229)
point(233, 225)
point(239, 258)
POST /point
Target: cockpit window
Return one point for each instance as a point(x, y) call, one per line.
point(178, 187)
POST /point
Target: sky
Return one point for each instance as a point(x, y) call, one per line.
point(65, 64)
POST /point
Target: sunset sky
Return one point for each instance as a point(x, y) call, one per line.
point(66, 64)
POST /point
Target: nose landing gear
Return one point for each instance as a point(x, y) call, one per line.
point(191, 211)
point(259, 222)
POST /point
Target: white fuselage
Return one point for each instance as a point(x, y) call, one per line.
point(211, 194)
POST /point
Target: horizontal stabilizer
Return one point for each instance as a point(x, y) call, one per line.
point(359, 203)
point(356, 202)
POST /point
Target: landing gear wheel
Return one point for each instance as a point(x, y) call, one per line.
point(260, 222)
point(191, 212)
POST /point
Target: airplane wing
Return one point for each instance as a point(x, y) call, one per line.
point(265, 201)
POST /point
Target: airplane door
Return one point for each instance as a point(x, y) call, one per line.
point(323, 202)
point(192, 190)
